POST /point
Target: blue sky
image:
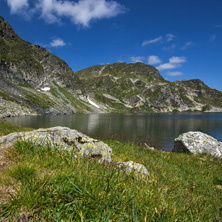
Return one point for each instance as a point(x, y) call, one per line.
point(182, 38)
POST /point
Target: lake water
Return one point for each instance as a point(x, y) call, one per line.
point(157, 130)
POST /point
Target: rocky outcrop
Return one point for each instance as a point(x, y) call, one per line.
point(198, 142)
point(72, 141)
point(9, 108)
point(63, 138)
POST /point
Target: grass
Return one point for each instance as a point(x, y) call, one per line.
point(6, 128)
point(51, 185)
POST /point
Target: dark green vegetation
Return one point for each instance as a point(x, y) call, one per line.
point(51, 185)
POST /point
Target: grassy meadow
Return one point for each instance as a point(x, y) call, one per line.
point(50, 185)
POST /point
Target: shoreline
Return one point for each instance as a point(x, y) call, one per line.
point(61, 114)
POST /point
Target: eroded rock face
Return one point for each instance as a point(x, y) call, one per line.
point(198, 142)
point(137, 168)
point(65, 139)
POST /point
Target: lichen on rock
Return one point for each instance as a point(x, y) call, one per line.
point(198, 142)
point(70, 140)
point(63, 138)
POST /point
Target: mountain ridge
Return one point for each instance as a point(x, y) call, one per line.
point(149, 93)
point(34, 81)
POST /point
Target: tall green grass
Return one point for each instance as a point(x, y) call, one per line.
point(51, 185)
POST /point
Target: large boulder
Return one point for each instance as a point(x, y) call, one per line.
point(198, 142)
point(65, 139)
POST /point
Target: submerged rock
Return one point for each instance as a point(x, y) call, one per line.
point(131, 166)
point(65, 139)
point(198, 142)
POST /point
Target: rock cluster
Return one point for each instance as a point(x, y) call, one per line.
point(198, 142)
point(71, 140)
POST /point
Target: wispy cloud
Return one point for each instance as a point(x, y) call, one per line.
point(163, 39)
point(80, 12)
point(212, 38)
point(187, 44)
point(218, 26)
point(151, 41)
point(170, 37)
point(152, 60)
point(58, 42)
point(174, 73)
point(135, 59)
point(55, 43)
point(176, 59)
point(174, 62)
point(168, 66)
point(168, 48)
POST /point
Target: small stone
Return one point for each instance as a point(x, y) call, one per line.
point(131, 166)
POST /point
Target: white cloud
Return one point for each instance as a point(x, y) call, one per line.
point(137, 59)
point(168, 66)
point(187, 44)
point(176, 59)
point(174, 73)
point(80, 12)
point(147, 42)
point(57, 43)
point(213, 38)
point(16, 6)
point(169, 47)
point(154, 60)
point(174, 62)
point(163, 39)
point(170, 37)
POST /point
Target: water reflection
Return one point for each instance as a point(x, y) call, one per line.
point(158, 130)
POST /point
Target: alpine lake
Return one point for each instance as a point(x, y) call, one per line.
point(157, 130)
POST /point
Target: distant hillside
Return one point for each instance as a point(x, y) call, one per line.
point(34, 81)
point(138, 87)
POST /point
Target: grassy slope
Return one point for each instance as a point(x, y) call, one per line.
point(54, 186)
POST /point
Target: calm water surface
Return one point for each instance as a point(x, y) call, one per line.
point(157, 130)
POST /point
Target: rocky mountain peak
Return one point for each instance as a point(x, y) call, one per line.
point(121, 69)
point(7, 33)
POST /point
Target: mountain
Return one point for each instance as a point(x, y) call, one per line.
point(138, 87)
point(34, 81)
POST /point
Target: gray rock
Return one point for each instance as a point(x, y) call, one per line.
point(137, 168)
point(65, 139)
point(198, 142)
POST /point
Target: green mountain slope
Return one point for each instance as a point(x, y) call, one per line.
point(139, 87)
point(34, 81)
